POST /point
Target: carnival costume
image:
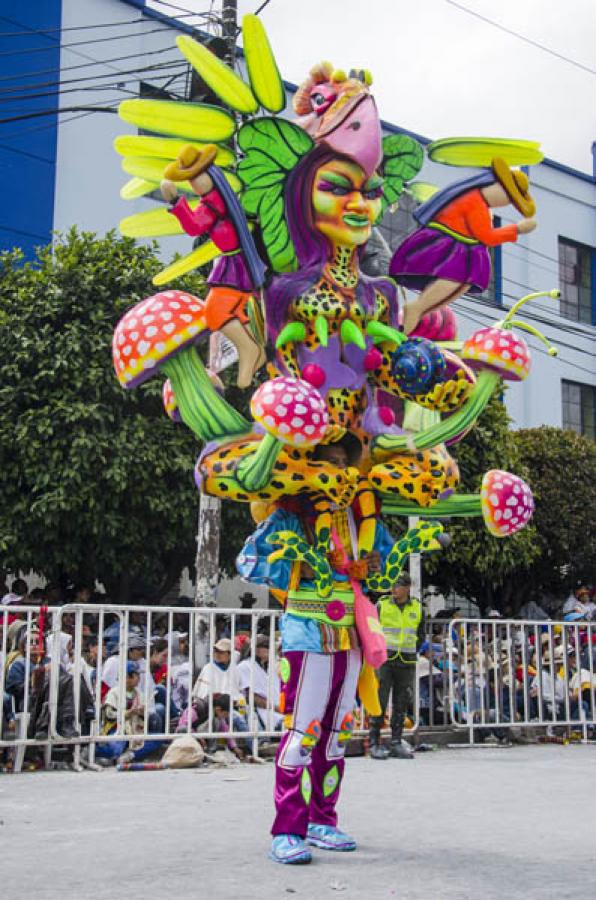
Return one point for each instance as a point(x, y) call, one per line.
point(341, 372)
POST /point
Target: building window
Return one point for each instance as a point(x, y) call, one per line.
point(579, 408)
point(575, 280)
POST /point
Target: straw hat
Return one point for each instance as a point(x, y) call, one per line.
point(515, 184)
point(190, 162)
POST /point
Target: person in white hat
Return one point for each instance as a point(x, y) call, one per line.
point(220, 675)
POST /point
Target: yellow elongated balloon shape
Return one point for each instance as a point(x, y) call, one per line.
point(263, 73)
point(480, 151)
point(199, 257)
point(155, 222)
point(220, 78)
point(151, 168)
point(136, 187)
point(165, 148)
point(195, 121)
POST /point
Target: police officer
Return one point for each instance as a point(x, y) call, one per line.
point(403, 626)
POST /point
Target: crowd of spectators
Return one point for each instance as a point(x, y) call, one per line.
point(504, 672)
point(136, 676)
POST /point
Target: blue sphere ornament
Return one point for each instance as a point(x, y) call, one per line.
point(417, 366)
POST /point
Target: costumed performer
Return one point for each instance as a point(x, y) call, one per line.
point(321, 665)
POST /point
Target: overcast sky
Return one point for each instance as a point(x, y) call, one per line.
point(442, 72)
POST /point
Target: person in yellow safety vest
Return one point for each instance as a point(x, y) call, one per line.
point(402, 622)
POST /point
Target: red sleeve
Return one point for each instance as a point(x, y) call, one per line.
point(478, 220)
point(194, 222)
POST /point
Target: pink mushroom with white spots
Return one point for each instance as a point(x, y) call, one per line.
point(292, 412)
point(507, 503)
point(500, 350)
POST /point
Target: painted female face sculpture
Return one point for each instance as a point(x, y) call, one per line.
point(345, 202)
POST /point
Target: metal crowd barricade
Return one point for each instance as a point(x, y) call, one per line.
point(158, 720)
point(479, 675)
point(512, 673)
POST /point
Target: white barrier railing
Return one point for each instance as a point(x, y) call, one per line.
point(508, 673)
point(479, 675)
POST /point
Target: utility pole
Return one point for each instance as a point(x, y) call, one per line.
point(415, 565)
point(229, 27)
point(207, 560)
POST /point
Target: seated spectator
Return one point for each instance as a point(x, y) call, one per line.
point(134, 749)
point(256, 673)
point(577, 601)
point(109, 678)
point(81, 593)
point(180, 647)
point(221, 723)
point(532, 612)
point(548, 687)
point(218, 677)
point(17, 593)
point(158, 664)
point(582, 687)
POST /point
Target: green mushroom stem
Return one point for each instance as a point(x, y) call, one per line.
point(254, 471)
point(447, 429)
point(458, 505)
point(201, 408)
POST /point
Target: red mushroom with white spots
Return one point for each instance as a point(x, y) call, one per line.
point(507, 503)
point(160, 333)
point(499, 350)
point(292, 412)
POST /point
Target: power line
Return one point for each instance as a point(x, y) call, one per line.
point(187, 12)
point(116, 37)
point(522, 37)
point(42, 31)
point(56, 112)
point(88, 65)
point(97, 87)
point(49, 31)
point(54, 125)
point(43, 84)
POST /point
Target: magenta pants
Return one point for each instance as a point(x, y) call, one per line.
point(319, 690)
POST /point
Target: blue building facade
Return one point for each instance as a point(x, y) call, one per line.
point(30, 39)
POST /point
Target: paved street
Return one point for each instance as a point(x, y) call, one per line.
point(465, 823)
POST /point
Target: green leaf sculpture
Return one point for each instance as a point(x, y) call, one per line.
point(272, 148)
point(402, 160)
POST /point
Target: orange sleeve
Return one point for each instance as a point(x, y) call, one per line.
point(478, 220)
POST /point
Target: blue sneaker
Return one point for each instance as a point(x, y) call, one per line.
point(289, 849)
point(329, 838)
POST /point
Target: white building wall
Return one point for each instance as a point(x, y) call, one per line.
point(89, 174)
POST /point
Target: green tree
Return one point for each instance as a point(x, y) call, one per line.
point(478, 565)
point(96, 481)
point(562, 466)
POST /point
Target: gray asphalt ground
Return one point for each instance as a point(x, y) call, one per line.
point(464, 823)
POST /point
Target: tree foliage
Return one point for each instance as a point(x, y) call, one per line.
point(563, 477)
point(478, 565)
point(96, 481)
